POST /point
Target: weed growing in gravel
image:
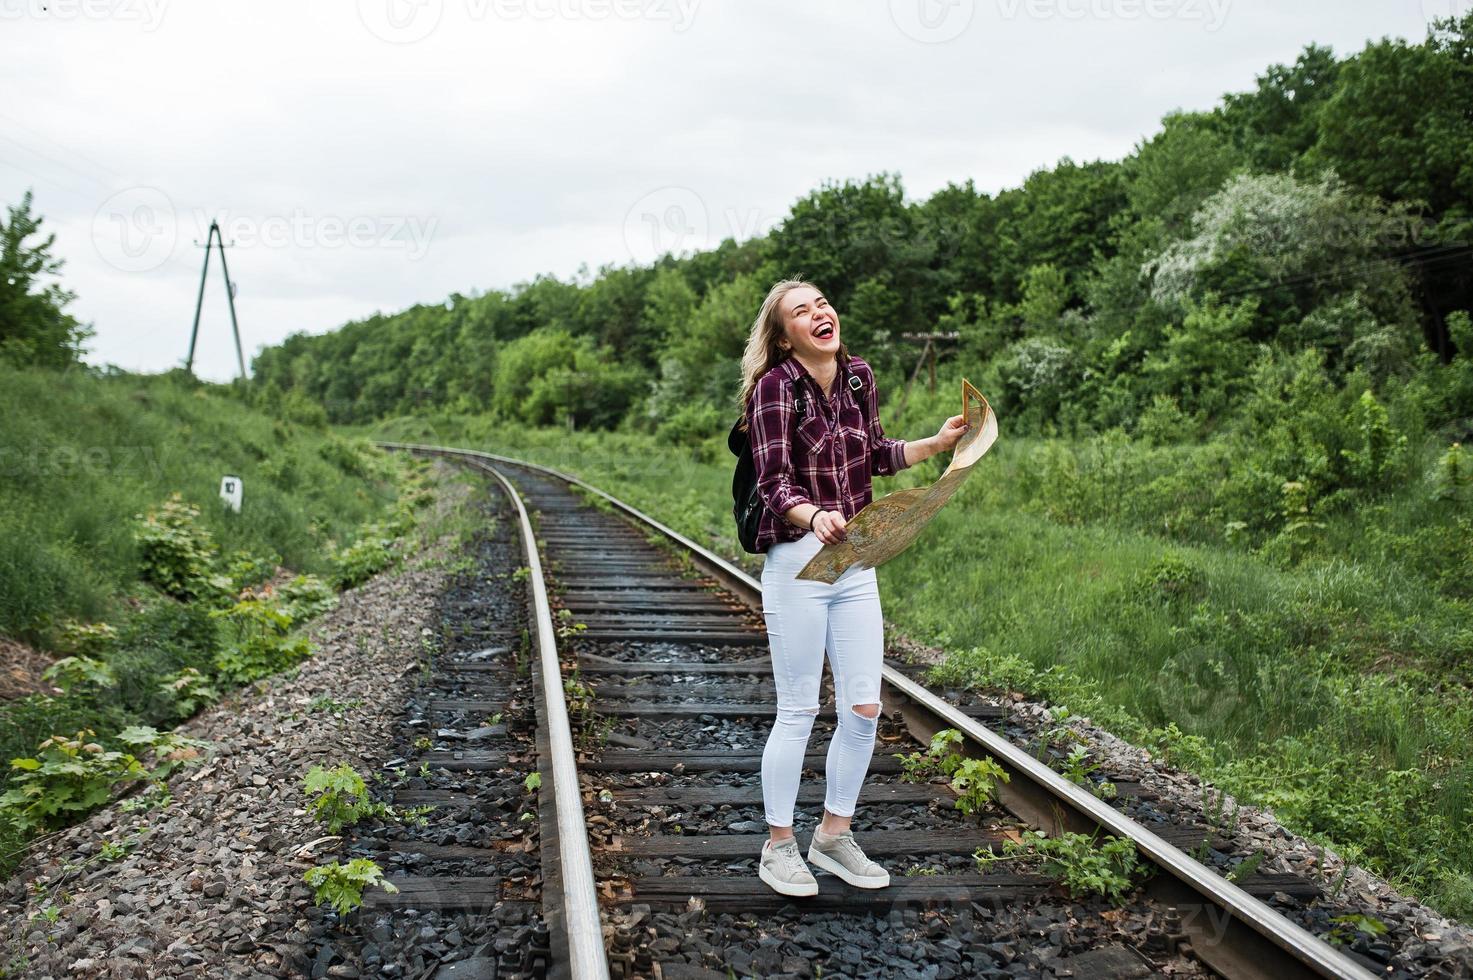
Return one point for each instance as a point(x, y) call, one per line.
point(567, 629)
point(532, 782)
point(1077, 769)
point(414, 816)
point(155, 798)
point(1347, 926)
point(975, 780)
point(938, 759)
point(374, 551)
point(112, 850)
point(326, 702)
point(1246, 867)
point(341, 885)
point(581, 716)
point(1076, 861)
point(524, 654)
point(340, 797)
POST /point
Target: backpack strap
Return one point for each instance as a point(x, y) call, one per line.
point(861, 395)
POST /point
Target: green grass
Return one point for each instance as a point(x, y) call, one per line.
point(1333, 687)
point(81, 455)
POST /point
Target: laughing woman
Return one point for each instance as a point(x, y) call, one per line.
point(813, 474)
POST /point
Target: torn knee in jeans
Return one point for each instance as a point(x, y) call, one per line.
point(799, 718)
point(866, 717)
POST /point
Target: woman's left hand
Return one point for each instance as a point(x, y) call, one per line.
point(951, 432)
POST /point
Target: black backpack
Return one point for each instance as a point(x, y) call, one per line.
point(747, 503)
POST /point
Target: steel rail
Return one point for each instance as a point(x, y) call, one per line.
point(587, 956)
point(1270, 945)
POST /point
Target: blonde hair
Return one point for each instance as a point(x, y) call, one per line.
point(763, 353)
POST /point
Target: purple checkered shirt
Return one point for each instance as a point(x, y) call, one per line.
point(834, 454)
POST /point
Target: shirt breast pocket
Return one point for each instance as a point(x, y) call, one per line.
point(813, 434)
point(856, 440)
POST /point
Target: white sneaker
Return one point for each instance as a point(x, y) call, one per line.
point(846, 859)
point(782, 867)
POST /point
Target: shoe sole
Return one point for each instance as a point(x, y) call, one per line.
point(786, 887)
point(822, 860)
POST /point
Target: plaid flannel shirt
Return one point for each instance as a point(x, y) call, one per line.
point(835, 453)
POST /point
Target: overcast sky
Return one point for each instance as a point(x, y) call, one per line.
point(367, 155)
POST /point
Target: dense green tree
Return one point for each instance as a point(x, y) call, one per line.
point(1277, 122)
point(34, 325)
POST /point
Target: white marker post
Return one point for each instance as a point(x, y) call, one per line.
point(230, 492)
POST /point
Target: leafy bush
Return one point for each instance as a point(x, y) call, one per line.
point(370, 554)
point(175, 553)
point(87, 639)
point(259, 643)
point(305, 597)
point(77, 673)
point(1168, 578)
point(67, 778)
point(188, 690)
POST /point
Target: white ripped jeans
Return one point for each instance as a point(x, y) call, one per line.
point(803, 619)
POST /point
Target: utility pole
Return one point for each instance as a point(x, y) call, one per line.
point(199, 303)
point(928, 354)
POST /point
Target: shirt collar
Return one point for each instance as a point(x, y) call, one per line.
point(794, 370)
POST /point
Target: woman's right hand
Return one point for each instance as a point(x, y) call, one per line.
point(829, 526)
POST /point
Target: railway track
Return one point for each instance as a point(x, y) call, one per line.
point(647, 661)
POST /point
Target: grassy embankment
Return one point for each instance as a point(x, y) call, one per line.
point(161, 608)
point(1333, 687)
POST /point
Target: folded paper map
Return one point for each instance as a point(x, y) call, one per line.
point(887, 526)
